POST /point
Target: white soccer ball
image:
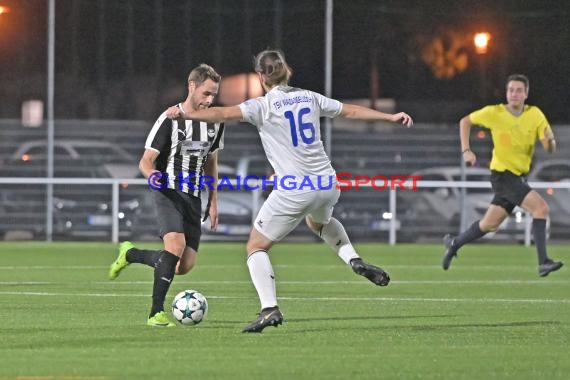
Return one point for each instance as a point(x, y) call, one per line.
point(189, 307)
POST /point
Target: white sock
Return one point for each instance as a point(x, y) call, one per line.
point(263, 278)
point(335, 236)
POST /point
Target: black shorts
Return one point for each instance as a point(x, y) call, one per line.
point(510, 189)
point(179, 212)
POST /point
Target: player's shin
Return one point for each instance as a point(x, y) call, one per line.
point(163, 275)
point(334, 234)
point(263, 278)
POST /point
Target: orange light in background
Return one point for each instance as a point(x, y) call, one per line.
point(25, 157)
point(237, 88)
point(481, 41)
point(481, 135)
point(4, 9)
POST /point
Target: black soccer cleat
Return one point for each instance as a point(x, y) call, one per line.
point(549, 266)
point(449, 253)
point(375, 274)
point(270, 316)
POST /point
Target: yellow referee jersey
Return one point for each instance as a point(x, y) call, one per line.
point(514, 137)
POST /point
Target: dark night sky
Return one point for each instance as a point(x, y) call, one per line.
point(142, 50)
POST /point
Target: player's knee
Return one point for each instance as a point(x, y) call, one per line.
point(175, 243)
point(313, 225)
point(542, 211)
point(177, 249)
point(489, 226)
point(251, 247)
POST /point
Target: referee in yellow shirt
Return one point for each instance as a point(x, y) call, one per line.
point(514, 127)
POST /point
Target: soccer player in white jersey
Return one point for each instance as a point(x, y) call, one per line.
point(287, 119)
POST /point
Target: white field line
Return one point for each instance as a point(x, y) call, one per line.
point(501, 267)
point(363, 282)
point(311, 299)
point(356, 282)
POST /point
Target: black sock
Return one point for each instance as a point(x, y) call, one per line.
point(143, 256)
point(163, 275)
point(467, 236)
point(539, 233)
point(356, 260)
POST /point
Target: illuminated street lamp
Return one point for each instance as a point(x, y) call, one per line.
point(3, 10)
point(481, 41)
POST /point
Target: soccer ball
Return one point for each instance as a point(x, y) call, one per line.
point(189, 307)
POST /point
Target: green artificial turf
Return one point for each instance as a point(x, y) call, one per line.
point(489, 317)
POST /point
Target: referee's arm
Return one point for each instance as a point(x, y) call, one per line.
point(548, 142)
point(465, 125)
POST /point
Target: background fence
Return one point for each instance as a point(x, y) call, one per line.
point(91, 205)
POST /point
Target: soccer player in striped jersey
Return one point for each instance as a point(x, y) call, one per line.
point(178, 152)
point(514, 127)
point(288, 122)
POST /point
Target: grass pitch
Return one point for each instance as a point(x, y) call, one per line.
point(489, 317)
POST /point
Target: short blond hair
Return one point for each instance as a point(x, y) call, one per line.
point(202, 73)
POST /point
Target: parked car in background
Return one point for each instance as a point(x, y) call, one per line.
point(80, 211)
point(557, 170)
point(432, 212)
point(237, 207)
point(85, 211)
point(72, 158)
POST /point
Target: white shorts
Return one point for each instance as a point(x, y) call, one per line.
point(284, 210)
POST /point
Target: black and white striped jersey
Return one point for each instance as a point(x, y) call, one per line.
point(184, 147)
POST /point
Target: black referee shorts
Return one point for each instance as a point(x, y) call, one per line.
point(178, 211)
point(510, 189)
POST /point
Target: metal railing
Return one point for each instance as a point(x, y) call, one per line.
point(392, 199)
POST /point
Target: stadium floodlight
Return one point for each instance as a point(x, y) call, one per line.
point(481, 41)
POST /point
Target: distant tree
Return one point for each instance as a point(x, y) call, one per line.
point(445, 53)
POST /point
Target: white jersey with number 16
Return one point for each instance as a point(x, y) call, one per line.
point(288, 122)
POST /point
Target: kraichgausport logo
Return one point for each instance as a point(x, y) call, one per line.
point(343, 180)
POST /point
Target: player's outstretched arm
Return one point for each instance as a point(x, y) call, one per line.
point(209, 115)
point(351, 111)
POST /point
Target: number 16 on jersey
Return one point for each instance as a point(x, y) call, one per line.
point(299, 128)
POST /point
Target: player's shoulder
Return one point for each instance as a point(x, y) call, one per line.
point(162, 120)
point(532, 109)
point(491, 109)
point(495, 108)
point(255, 101)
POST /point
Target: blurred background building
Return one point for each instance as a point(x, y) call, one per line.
point(129, 58)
